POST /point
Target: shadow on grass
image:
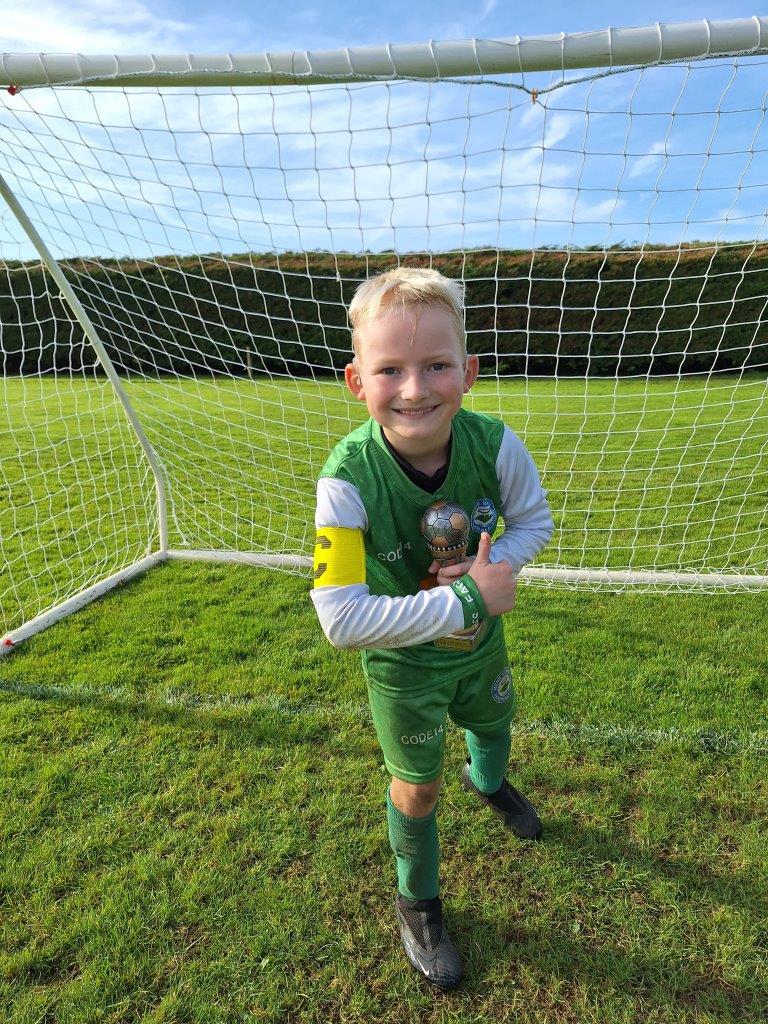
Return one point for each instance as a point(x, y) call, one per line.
point(671, 979)
point(744, 890)
point(600, 971)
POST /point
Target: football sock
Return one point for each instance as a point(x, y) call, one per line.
point(489, 758)
point(414, 843)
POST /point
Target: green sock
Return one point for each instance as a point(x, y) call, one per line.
point(489, 759)
point(414, 843)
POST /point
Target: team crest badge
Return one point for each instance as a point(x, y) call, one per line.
point(501, 687)
point(484, 516)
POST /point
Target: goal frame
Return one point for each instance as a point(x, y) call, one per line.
point(609, 48)
point(606, 48)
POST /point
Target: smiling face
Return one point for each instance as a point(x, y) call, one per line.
point(412, 374)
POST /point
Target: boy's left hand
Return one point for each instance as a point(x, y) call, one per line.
point(449, 573)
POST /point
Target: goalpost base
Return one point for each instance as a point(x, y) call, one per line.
point(690, 582)
point(73, 604)
point(258, 558)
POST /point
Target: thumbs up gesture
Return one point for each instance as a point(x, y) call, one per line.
point(497, 583)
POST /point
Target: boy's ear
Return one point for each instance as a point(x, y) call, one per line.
point(471, 371)
point(354, 381)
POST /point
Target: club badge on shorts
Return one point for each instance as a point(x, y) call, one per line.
point(501, 687)
point(484, 516)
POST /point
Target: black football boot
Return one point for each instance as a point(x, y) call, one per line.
point(507, 803)
point(426, 942)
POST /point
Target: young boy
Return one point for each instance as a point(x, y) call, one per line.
point(372, 569)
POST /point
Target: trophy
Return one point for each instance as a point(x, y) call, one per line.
point(445, 528)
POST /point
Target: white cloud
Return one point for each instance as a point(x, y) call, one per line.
point(555, 124)
point(89, 26)
point(449, 30)
point(652, 161)
point(558, 128)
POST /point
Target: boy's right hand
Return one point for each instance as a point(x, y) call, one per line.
point(496, 583)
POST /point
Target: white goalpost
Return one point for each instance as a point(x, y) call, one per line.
point(180, 237)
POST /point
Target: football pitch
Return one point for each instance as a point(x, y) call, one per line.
point(193, 823)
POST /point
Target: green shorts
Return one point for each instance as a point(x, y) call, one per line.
point(411, 729)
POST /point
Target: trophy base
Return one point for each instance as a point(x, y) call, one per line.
point(463, 639)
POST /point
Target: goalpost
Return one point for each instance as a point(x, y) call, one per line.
point(180, 236)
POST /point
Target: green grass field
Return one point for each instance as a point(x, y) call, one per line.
point(193, 818)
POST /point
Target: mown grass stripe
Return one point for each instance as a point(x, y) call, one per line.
point(728, 742)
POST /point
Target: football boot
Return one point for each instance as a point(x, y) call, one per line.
point(515, 810)
point(426, 942)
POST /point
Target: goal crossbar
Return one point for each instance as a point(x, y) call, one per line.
point(611, 47)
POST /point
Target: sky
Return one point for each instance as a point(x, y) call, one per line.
point(557, 177)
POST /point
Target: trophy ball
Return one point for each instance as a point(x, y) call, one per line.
point(445, 527)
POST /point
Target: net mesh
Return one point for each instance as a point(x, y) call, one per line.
point(610, 230)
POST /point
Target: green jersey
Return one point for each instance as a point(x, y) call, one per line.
point(396, 554)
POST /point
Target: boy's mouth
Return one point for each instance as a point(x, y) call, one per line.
point(416, 412)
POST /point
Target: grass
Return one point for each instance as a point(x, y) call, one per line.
point(193, 821)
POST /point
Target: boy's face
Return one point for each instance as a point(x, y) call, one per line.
point(412, 375)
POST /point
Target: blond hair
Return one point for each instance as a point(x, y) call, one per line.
point(405, 288)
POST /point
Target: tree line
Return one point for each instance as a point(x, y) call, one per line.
point(622, 312)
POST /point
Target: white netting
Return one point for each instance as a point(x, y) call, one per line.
point(611, 232)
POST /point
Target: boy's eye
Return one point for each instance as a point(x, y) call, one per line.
point(438, 366)
point(389, 370)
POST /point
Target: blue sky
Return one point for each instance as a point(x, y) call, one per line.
point(558, 177)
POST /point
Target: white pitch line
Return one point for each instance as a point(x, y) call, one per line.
point(709, 740)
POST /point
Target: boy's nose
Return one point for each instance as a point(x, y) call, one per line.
point(413, 387)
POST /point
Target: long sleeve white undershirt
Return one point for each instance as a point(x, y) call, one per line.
point(353, 617)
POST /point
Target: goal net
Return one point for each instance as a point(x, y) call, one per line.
point(180, 237)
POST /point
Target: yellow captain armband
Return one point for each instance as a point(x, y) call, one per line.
point(339, 557)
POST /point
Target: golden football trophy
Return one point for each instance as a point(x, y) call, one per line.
point(445, 528)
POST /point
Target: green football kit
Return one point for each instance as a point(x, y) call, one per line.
point(413, 689)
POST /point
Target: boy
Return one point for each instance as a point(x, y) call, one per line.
point(411, 369)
